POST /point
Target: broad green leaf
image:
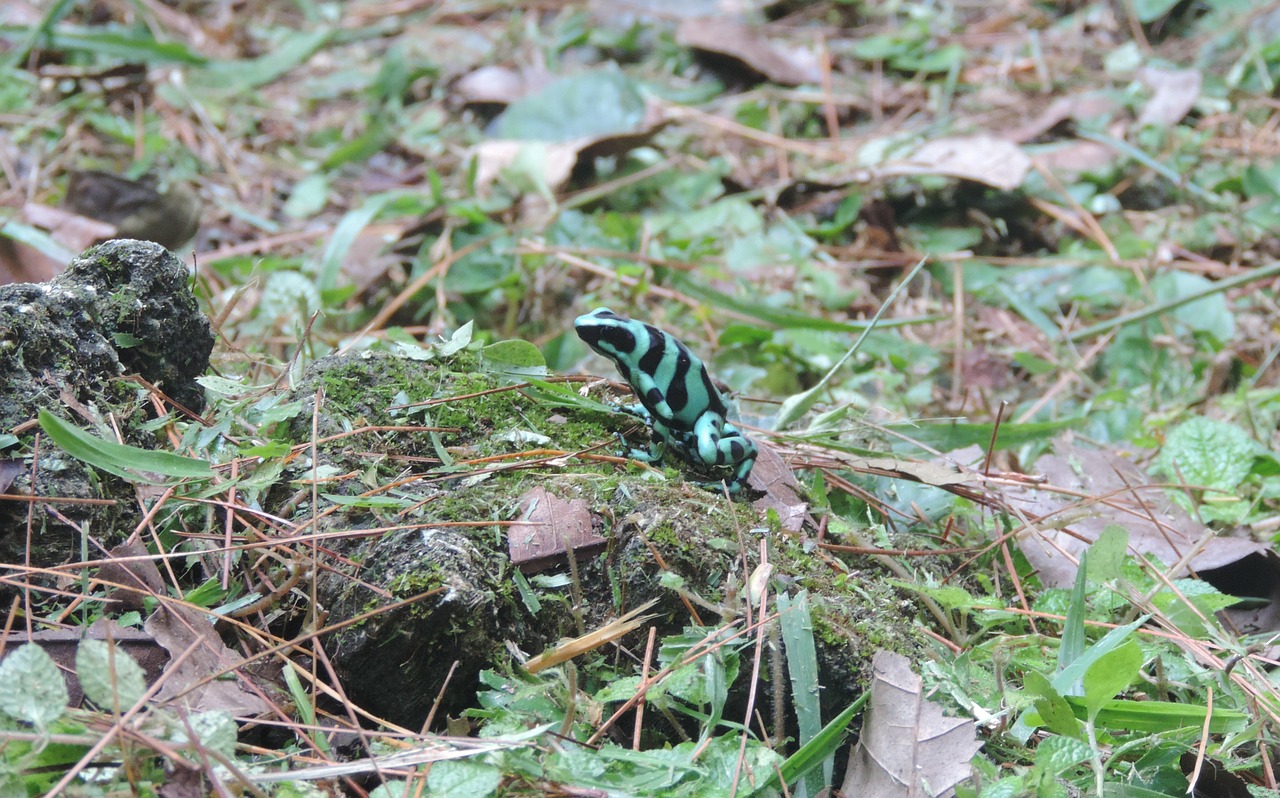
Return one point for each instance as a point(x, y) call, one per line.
point(589, 104)
point(1209, 314)
point(513, 357)
point(1208, 452)
point(1057, 754)
point(38, 240)
point(1112, 673)
point(127, 462)
point(462, 778)
point(31, 687)
point(110, 677)
point(1107, 554)
point(1055, 713)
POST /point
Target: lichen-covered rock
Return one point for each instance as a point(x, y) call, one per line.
point(121, 308)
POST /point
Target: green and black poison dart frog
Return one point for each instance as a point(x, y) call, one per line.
point(677, 398)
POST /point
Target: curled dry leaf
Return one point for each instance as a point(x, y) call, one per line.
point(750, 46)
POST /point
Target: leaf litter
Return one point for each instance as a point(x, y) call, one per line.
point(918, 133)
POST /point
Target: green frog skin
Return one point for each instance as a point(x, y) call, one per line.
point(677, 398)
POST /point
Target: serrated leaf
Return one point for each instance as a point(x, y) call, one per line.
point(31, 687)
point(119, 459)
point(1207, 452)
point(109, 677)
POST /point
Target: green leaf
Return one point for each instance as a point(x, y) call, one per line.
point(1055, 713)
point(586, 105)
point(1149, 11)
point(797, 405)
point(462, 778)
point(346, 233)
point(31, 687)
point(460, 340)
point(238, 76)
point(1159, 716)
point(513, 357)
point(38, 240)
point(1107, 554)
point(1207, 452)
point(563, 395)
point(1073, 632)
point(127, 462)
point(823, 745)
point(110, 677)
point(802, 668)
point(1055, 755)
point(136, 45)
point(1112, 673)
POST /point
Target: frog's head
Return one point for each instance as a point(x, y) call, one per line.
point(608, 333)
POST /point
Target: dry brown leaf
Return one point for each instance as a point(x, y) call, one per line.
point(750, 46)
point(1076, 108)
point(1174, 92)
point(548, 527)
point(178, 629)
point(983, 159)
point(500, 85)
point(1075, 158)
point(1065, 526)
point(138, 577)
point(781, 492)
point(908, 747)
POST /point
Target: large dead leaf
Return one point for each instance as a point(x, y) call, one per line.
point(983, 159)
point(772, 475)
point(752, 48)
point(908, 747)
point(197, 657)
point(1114, 491)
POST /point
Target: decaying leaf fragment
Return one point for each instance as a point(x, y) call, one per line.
point(908, 747)
point(548, 528)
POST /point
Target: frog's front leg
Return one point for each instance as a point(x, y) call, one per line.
point(657, 440)
point(720, 443)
